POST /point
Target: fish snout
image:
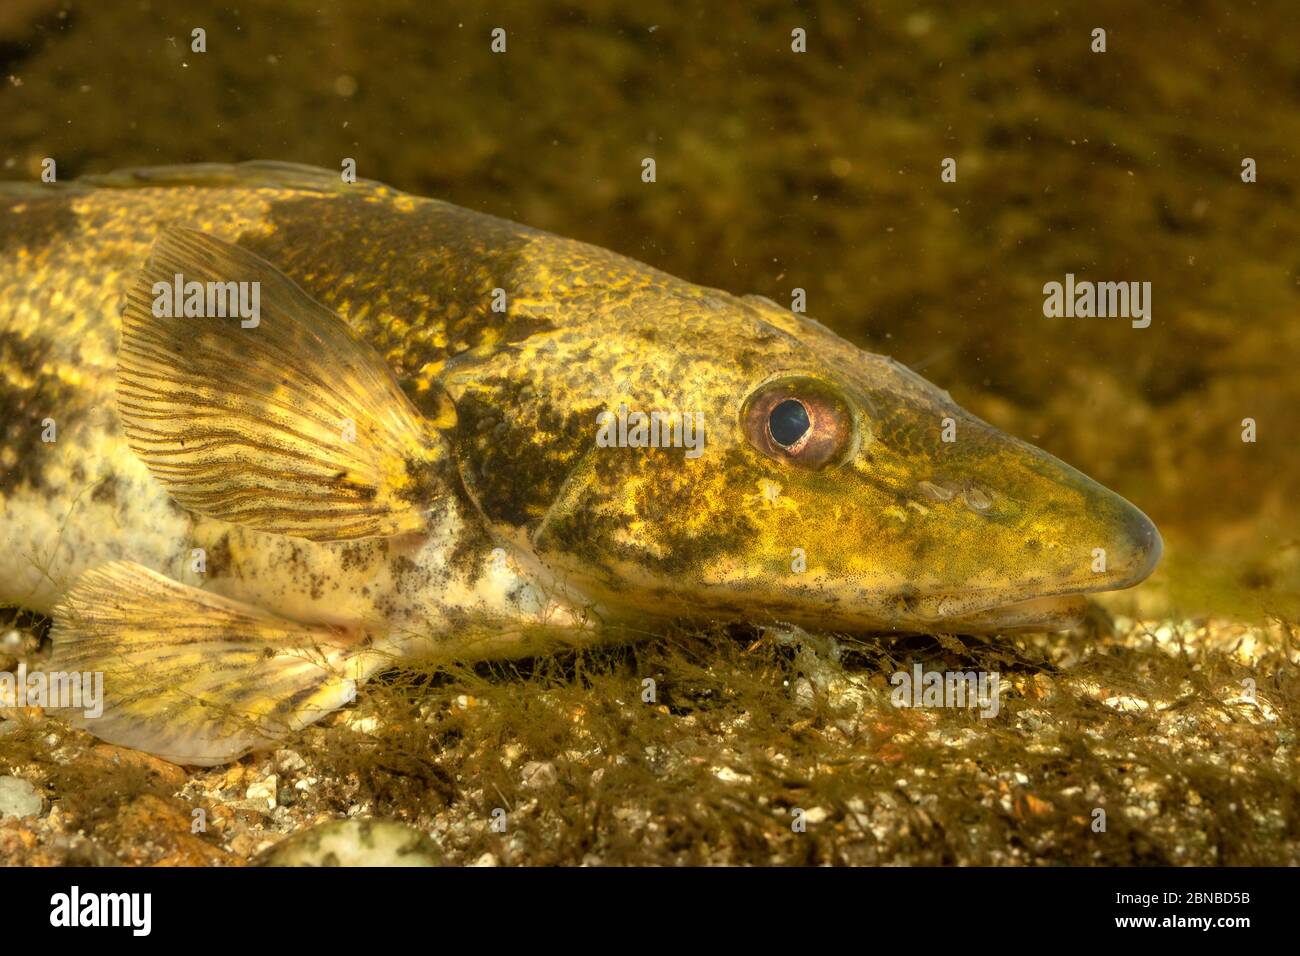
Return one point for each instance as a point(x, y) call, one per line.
point(1135, 549)
point(1046, 527)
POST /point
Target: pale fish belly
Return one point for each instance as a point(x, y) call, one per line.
point(433, 594)
point(98, 504)
point(92, 503)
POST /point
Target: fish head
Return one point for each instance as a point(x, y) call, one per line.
point(910, 513)
point(833, 487)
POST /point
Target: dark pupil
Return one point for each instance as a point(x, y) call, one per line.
point(788, 422)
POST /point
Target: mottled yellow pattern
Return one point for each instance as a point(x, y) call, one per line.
point(479, 516)
point(583, 330)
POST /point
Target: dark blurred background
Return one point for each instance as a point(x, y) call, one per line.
point(819, 170)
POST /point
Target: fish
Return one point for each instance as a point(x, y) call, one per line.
point(441, 435)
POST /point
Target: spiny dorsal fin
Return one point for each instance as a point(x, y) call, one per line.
point(292, 426)
point(193, 677)
point(262, 173)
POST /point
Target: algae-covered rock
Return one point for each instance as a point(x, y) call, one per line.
point(153, 830)
point(354, 843)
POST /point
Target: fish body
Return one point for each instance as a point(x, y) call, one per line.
point(84, 499)
point(448, 434)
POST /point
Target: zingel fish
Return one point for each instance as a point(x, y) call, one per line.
point(386, 445)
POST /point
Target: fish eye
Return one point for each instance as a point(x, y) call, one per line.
point(801, 421)
point(789, 423)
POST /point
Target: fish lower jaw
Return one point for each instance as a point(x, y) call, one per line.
point(1055, 613)
point(1058, 608)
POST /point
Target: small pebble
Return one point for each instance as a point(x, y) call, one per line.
point(288, 761)
point(816, 815)
point(537, 775)
point(354, 843)
point(264, 792)
point(18, 798)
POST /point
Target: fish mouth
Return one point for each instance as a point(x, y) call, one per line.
point(1054, 613)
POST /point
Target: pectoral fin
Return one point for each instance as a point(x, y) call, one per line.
point(193, 677)
point(285, 422)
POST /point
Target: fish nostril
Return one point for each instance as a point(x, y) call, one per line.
point(976, 498)
point(934, 492)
